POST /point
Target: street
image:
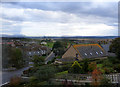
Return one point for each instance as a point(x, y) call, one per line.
point(6, 76)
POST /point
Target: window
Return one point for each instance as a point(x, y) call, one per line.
point(86, 54)
point(76, 55)
point(96, 52)
point(90, 53)
point(29, 52)
point(101, 52)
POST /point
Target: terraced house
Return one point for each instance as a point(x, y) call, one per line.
point(83, 51)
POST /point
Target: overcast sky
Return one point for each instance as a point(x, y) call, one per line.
point(60, 18)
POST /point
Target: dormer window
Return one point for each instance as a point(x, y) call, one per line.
point(29, 52)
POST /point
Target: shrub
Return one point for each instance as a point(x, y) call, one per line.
point(105, 82)
point(75, 68)
point(107, 63)
point(45, 72)
point(117, 68)
point(92, 66)
point(85, 65)
point(108, 70)
point(15, 81)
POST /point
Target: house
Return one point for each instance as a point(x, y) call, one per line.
point(43, 43)
point(83, 51)
point(107, 49)
point(37, 50)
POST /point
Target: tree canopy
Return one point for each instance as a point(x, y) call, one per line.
point(115, 47)
point(37, 60)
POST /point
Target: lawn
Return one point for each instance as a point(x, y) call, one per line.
point(62, 73)
point(50, 44)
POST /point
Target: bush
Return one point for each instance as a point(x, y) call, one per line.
point(15, 81)
point(76, 68)
point(108, 70)
point(114, 60)
point(92, 66)
point(105, 82)
point(117, 68)
point(85, 65)
point(45, 72)
point(107, 63)
point(63, 67)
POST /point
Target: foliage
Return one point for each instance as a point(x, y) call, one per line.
point(107, 63)
point(75, 68)
point(115, 47)
point(49, 44)
point(92, 66)
point(15, 81)
point(61, 73)
point(57, 44)
point(105, 82)
point(108, 70)
point(37, 60)
point(117, 68)
point(45, 72)
point(96, 77)
point(16, 59)
point(114, 60)
point(5, 56)
point(59, 48)
point(85, 65)
point(63, 67)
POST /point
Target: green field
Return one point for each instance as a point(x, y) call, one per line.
point(50, 44)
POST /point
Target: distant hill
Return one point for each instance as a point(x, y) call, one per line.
point(23, 36)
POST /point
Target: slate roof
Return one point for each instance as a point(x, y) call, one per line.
point(90, 50)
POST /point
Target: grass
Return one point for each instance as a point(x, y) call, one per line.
point(50, 44)
point(99, 65)
point(62, 73)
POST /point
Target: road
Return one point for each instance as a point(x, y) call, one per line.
point(49, 57)
point(6, 76)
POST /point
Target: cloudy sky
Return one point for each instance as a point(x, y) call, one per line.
point(59, 18)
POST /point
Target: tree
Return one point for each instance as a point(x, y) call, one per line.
point(92, 66)
point(37, 60)
point(85, 65)
point(57, 44)
point(59, 48)
point(96, 77)
point(16, 58)
point(75, 68)
point(115, 47)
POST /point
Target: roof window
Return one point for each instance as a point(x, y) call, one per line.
point(101, 52)
point(96, 52)
point(90, 53)
point(86, 54)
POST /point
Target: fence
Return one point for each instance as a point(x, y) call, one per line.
point(87, 78)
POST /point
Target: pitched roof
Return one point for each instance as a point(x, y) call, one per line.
point(90, 50)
